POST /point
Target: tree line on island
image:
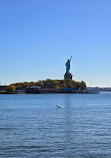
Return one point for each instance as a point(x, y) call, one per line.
point(47, 84)
point(55, 84)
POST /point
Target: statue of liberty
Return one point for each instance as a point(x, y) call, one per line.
point(68, 66)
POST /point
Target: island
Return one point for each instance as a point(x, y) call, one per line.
point(45, 86)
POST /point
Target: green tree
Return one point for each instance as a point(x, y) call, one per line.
point(82, 85)
point(11, 89)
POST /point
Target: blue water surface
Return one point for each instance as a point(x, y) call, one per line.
point(31, 125)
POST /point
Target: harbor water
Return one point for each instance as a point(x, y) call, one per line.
point(31, 125)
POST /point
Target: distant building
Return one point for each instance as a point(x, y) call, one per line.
point(91, 90)
point(69, 90)
point(3, 87)
point(32, 90)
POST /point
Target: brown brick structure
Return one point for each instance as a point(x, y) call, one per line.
point(68, 76)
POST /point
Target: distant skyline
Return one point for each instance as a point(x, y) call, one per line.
point(38, 36)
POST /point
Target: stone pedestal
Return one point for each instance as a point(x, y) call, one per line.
point(68, 76)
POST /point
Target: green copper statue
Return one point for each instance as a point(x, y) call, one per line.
point(68, 65)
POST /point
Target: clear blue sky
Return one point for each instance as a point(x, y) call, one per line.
point(38, 36)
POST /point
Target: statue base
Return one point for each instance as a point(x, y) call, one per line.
point(68, 76)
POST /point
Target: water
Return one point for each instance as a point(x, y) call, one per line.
point(32, 127)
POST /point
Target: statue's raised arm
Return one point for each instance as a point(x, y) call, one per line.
point(70, 58)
